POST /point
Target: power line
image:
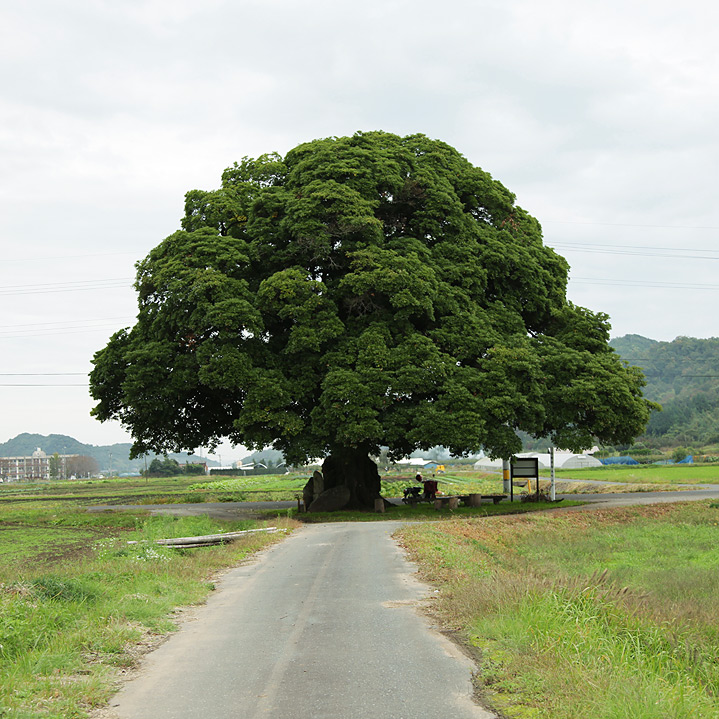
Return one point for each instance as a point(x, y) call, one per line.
point(68, 257)
point(630, 224)
point(633, 252)
point(62, 322)
point(59, 332)
point(642, 283)
point(12, 384)
point(632, 247)
point(64, 286)
point(62, 327)
point(42, 374)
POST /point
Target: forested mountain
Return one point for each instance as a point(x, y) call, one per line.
point(683, 376)
point(113, 457)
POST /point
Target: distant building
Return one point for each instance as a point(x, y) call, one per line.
point(33, 468)
point(412, 462)
point(562, 460)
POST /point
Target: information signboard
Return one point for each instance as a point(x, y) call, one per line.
point(526, 468)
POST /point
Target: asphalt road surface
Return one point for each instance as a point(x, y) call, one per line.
point(322, 625)
point(626, 499)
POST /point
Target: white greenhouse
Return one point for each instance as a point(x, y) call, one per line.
point(562, 460)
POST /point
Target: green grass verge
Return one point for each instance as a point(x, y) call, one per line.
point(77, 601)
point(608, 614)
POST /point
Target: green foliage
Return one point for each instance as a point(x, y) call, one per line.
point(361, 292)
point(169, 467)
point(163, 468)
point(681, 375)
point(54, 463)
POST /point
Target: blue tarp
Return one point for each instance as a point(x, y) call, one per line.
point(689, 459)
point(619, 460)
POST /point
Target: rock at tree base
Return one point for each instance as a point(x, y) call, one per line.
point(318, 483)
point(331, 499)
point(307, 494)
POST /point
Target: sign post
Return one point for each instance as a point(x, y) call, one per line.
point(525, 468)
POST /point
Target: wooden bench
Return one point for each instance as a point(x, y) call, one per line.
point(474, 500)
point(450, 502)
point(468, 500)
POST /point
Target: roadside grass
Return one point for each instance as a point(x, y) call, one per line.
point(78, 603)
point(608, 614)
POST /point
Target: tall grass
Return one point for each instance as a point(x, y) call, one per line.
point(609, 615)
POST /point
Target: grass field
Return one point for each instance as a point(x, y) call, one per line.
point(77, 602)
point(645, 473)
point(609, 615)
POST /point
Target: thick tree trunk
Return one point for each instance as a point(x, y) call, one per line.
point(355, 470)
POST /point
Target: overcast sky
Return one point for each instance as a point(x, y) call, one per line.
point(601, 117)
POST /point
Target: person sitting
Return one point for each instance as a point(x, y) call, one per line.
point(430, 489)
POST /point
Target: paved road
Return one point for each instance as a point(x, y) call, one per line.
point(321, 626)
point(605, 501)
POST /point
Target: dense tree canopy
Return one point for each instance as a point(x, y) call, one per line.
point(360, 292)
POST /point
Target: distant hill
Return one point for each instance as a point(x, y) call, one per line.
point(633, 346)
point(682, 376)
point(113, 457)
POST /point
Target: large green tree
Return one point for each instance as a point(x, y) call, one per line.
point(360, 292)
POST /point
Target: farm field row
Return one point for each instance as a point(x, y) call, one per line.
point(645, 474)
